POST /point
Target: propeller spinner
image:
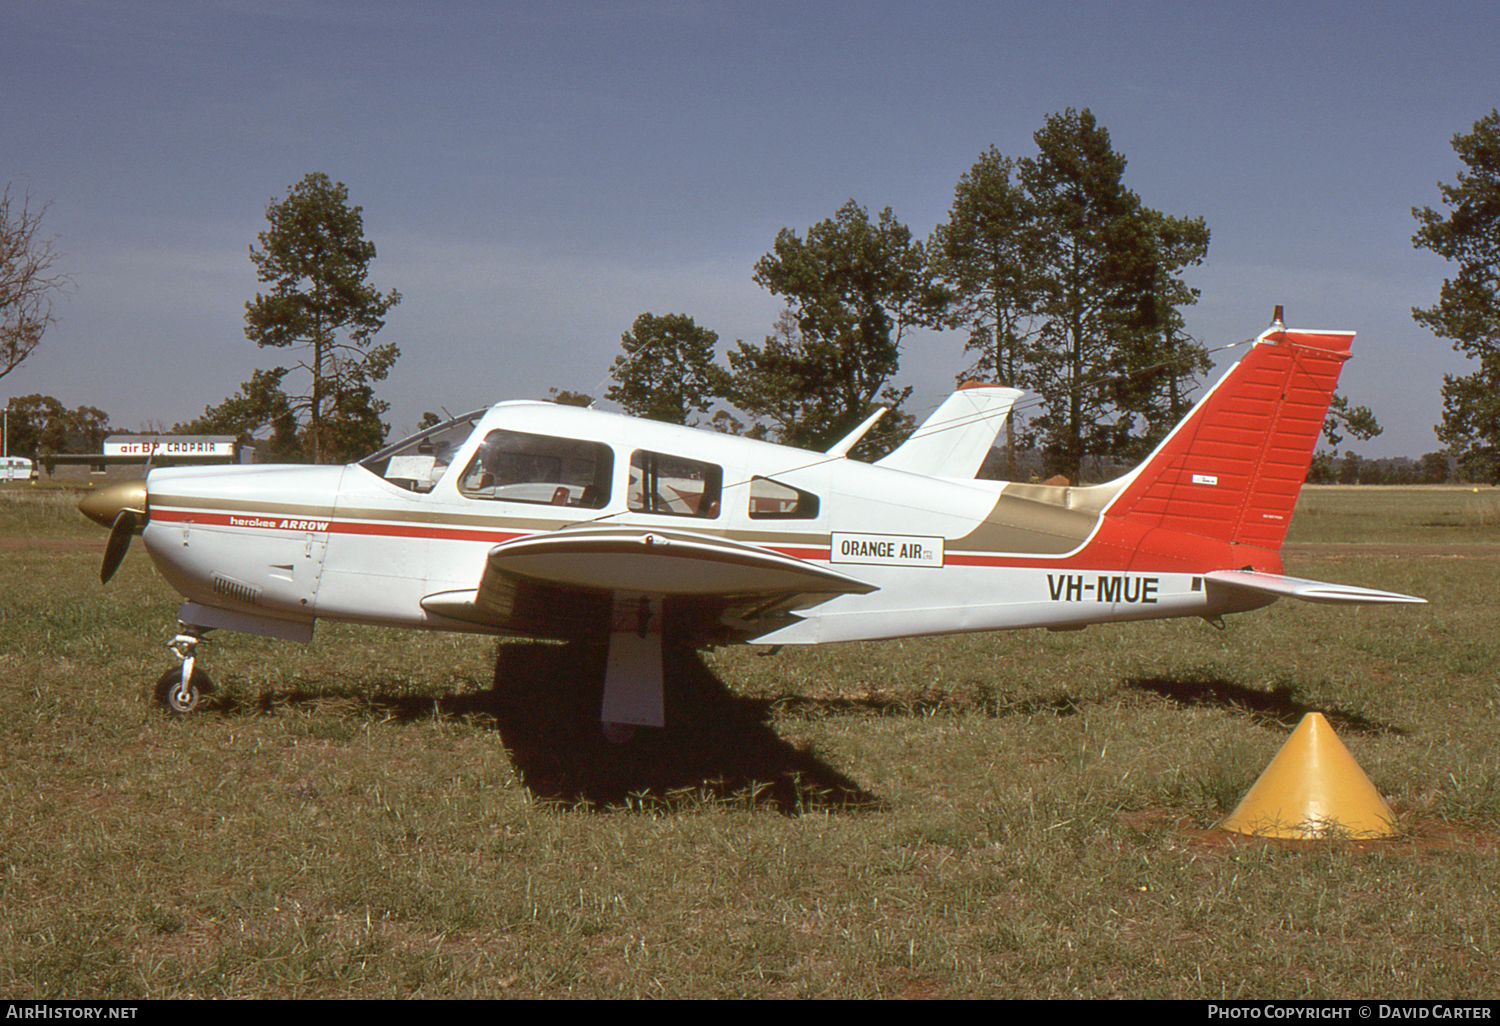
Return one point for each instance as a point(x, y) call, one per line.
point(123, 508)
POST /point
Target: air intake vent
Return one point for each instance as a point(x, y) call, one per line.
point(236, 589)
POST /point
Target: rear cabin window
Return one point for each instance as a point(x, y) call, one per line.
point(674, 485)
point(772, 500)
point(514, 466)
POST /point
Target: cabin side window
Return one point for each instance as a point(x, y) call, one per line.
point(514, 466)
point(772, 500)
point(674, 485)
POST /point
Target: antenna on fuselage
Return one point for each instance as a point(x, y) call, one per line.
point(843, 445)
point(150, 456)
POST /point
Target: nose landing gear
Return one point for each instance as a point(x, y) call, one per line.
point(181, 688)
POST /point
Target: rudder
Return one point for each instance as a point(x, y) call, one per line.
point(1232, 469)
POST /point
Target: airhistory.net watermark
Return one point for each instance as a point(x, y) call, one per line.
point(42, 1010)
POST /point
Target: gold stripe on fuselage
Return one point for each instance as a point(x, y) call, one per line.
point(1026, 519)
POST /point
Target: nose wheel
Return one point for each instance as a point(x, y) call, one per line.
point(181, 688)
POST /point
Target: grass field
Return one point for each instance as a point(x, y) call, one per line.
point(1010, 815)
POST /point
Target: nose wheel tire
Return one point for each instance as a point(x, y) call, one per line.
point(178, 698)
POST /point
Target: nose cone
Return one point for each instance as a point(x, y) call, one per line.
point(103, 506)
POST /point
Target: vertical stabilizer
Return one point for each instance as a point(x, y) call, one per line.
point(1232, 469)
point(956, 438)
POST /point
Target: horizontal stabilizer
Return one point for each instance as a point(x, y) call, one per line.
point(1307, 591)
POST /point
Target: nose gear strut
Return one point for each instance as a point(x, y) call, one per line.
point(180, 689)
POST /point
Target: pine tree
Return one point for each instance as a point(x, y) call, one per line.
point(1071, 287)
point(321, 303)
point(1468, 308)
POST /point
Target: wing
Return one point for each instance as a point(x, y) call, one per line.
point(561, 584)
point(1308, 591)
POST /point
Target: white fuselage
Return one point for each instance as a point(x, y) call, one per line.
point(271, 549)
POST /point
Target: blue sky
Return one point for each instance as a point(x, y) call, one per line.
point(535, 175)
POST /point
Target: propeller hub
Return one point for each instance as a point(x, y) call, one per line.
point(104, 506)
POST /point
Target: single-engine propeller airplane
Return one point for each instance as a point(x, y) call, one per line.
point(550, 521)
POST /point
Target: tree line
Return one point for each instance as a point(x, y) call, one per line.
point(1063, 282)
point(1060, 279)
point(1067, 285)
point(1352, 469)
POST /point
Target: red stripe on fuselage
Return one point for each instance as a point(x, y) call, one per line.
point(394, 529)
point(331, 526)
point(1118, 544)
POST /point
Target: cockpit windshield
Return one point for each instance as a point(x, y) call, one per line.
point(418, 462)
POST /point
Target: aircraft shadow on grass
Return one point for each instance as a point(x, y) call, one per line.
point(1279, 705)
point(717, 745)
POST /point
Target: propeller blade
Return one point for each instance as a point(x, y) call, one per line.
point(120, 533)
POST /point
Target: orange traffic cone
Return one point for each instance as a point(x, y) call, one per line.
point(1313, 789)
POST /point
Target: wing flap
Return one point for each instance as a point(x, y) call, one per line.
point(1281, 586)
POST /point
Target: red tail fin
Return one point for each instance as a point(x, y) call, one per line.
point(1231, 470)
